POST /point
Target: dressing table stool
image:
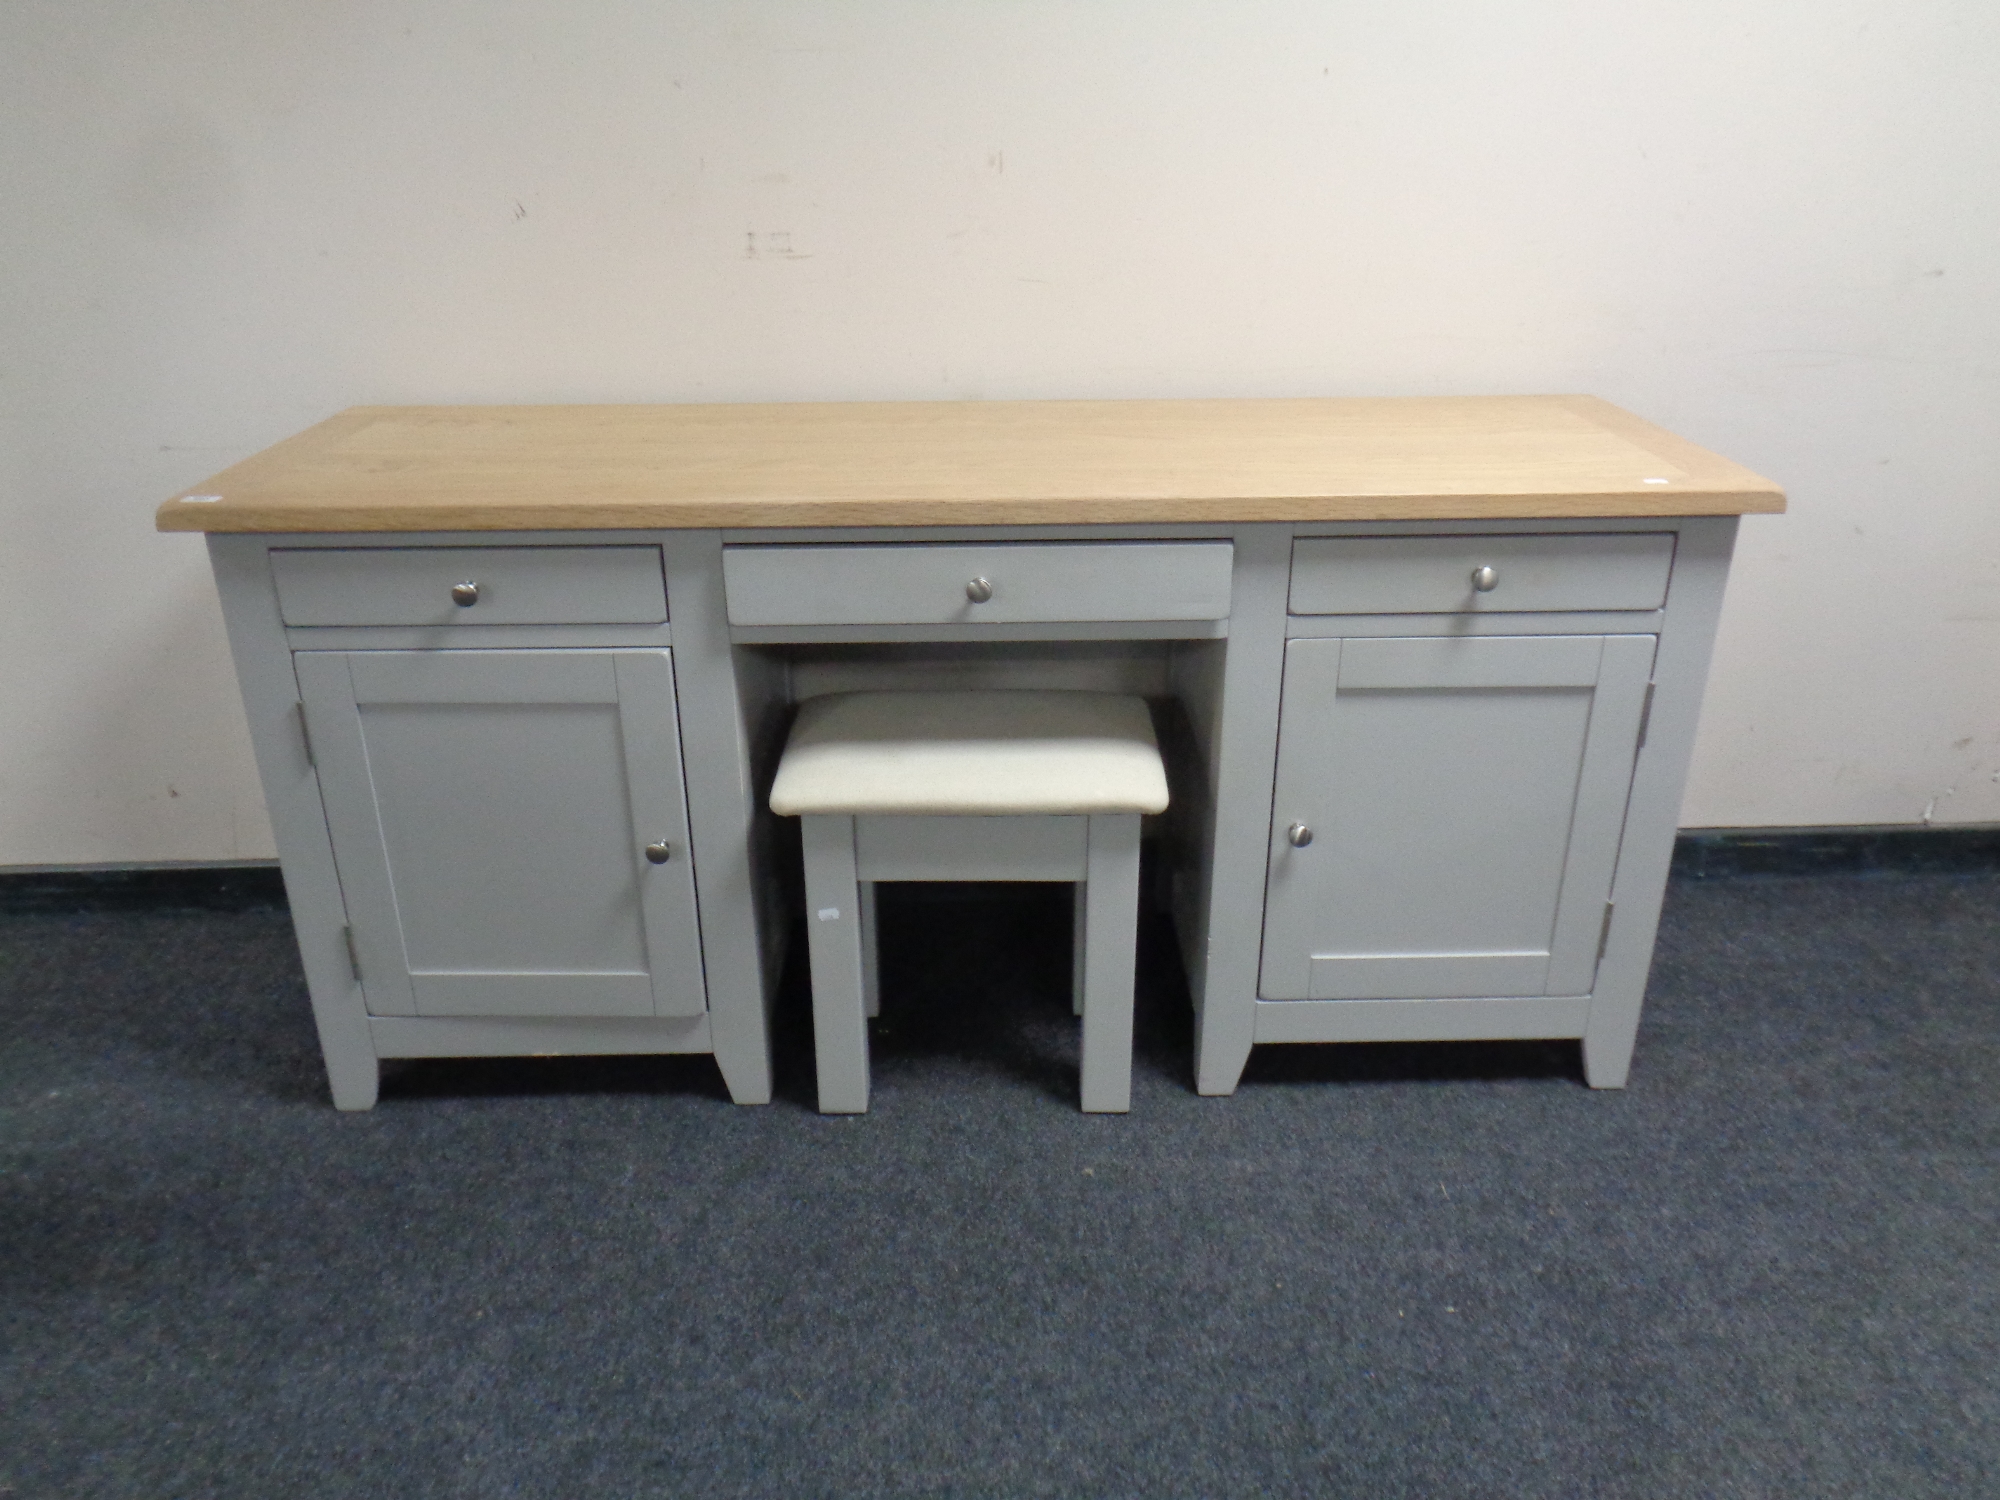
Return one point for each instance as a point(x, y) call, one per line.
point(970, 785)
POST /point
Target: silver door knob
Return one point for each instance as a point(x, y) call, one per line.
point(659, 853)
point(1298, 835)
point(1485, 579)
point(979, 590)
point(465, 595)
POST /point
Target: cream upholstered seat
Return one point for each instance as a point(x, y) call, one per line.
point(970, 785)
point(973, 753)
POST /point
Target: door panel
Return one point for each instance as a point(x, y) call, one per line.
point(489, 812)
point(1465, 796)
point(652, 745)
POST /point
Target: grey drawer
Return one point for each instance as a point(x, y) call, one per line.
point(927, 583)
point(517, 585)
point(1401, 575)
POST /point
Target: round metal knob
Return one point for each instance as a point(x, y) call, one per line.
point(979, 590)
point(659, 853)
point(465, 595)
point(1485, 580)
point(1298, 835)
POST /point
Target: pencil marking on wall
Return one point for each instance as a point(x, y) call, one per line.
point(771, 244)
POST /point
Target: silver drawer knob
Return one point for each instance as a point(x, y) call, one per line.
point(1298, 835)
point(659, 853)
point(465, 595)
point(1485, 579)
point(979, 590)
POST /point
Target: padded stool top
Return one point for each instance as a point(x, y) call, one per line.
point(972, 752)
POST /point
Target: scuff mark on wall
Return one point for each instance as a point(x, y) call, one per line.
point(1930, 807)
point(771, 244)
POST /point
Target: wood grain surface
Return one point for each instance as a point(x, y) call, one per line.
point(544, 468)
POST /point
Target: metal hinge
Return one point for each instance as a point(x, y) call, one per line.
point(305, 735)
point(1646, 716)
point(353, 953)
point(1603, 936)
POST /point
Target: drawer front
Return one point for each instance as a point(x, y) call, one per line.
point(940, 583)
point(1403, 575)
point(514, 585)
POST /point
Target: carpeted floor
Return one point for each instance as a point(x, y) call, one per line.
point(1769, 1268)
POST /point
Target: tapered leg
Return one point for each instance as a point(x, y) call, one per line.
point(833, 930)
point(1111, 931)
point(1078, 947)
point(355, 1079)
point(871, 950)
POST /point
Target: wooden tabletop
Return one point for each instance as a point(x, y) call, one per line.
point(535, 468)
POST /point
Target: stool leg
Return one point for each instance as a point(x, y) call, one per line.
point(871, 950)
point(1079, 946)
point(833, 932)
point(1111, 932)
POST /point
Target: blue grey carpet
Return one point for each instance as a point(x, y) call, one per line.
point(1769, 1268)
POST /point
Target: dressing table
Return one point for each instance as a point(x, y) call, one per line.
point(1426, 672)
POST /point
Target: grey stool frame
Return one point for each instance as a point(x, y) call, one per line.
point(845, 854)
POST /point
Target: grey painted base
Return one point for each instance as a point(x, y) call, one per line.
point(1416, 700)
point(1421, 1020)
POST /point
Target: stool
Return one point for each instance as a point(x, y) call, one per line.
point(970, 786)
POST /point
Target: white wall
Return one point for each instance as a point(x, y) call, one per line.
point(1773, 228)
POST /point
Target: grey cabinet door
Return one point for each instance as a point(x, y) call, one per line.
point(490, 814)
point(1465, 797)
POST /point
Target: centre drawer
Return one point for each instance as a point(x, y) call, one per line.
point(470, 585)
point(976, 582)
point(1400, 575)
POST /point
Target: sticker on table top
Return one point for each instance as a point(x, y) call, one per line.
point(1656, 481)
point(199, 499)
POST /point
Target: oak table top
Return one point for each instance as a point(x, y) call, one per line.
point(967, 463)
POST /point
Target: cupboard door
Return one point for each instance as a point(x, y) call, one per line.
point(490, 814)
point(1465, 797)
